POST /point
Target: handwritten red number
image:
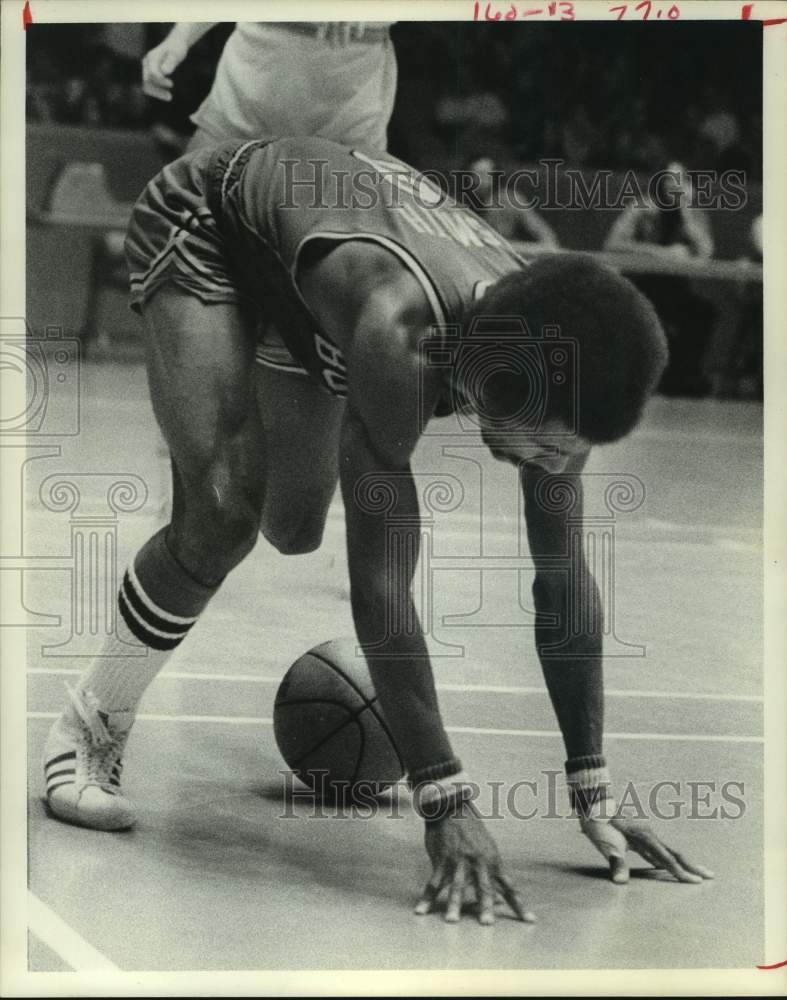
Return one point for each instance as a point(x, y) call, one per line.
point(646, 4)
point(567, 10)
point(674, 12)
point(622, 10)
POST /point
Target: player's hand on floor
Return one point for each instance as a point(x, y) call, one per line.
point(616, 836)
point(158, 66)
point(465, 857)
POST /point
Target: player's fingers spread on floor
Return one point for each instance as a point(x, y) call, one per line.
point(427, 901)
point(485, 894)
point(660, 857)
point(648, 854)
point(514, 900)
point(618, 869)
point(688, 866)
point(456, 893)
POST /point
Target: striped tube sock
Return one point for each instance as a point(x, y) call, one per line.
point(158, 603)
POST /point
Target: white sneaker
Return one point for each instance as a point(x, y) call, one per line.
point(82, 765)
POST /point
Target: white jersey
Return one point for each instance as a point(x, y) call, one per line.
point(286, 80)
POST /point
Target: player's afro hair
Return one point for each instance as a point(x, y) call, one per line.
point(617, 348)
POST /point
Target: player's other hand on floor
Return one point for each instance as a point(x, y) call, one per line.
point(614, 837)
point(158, 66)
point(465, 859)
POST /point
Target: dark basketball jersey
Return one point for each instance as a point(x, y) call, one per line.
point(275, 199)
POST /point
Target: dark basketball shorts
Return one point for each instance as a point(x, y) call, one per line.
point(173, 239)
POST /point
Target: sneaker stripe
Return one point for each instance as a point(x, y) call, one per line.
point(59, 784)
point(153, 621)
point(141, 631)
point(59, 774)
point(166, 617)
point(70, 755)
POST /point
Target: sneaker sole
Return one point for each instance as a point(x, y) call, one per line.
point(75, 818)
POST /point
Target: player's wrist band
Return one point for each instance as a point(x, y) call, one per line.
point(589, 791)
point(439, 788)
point(437, 799)
point(435, 772)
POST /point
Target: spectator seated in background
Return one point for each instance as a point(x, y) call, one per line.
point(493, 203)
point(734, 359)
point(672, 229)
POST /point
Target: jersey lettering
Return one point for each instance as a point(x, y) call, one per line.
point(334, 374)
point(329, 353)
point(335, 381)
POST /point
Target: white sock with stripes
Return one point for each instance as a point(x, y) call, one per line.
point(158, 603)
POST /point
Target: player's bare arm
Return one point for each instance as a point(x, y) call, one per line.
point(161, 62)
point(571, 661)
point(574, 673)
point(387, 395)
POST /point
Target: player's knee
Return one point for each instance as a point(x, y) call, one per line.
point(237, 525)
point(297, 537)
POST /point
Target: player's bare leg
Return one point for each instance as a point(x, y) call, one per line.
point(201, 372)
point(302, 425)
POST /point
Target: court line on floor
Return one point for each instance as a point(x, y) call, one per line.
point(497, 525)
point(63, 940)
point(464, 526)
point(246, 720)
point(181, 675)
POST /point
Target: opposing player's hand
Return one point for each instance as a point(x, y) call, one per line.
point(158, 66)
point(616, 836)
point(464, 856)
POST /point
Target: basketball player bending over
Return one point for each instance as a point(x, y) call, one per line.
point(222, 237)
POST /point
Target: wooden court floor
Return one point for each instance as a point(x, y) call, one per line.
point(226, 871)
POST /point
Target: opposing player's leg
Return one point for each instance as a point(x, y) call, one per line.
point(200, 366)
point(302, 424)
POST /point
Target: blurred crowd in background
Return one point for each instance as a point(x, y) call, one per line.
point(489, 98)
point(464, 90)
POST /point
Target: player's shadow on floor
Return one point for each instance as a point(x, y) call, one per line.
point(601, 872)
point(228, 835)
point(295, 797)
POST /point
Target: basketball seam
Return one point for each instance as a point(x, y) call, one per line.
point(388, 733)
point(342, 674)
point(359, 758)
point(353, 717)
point(369, 704)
